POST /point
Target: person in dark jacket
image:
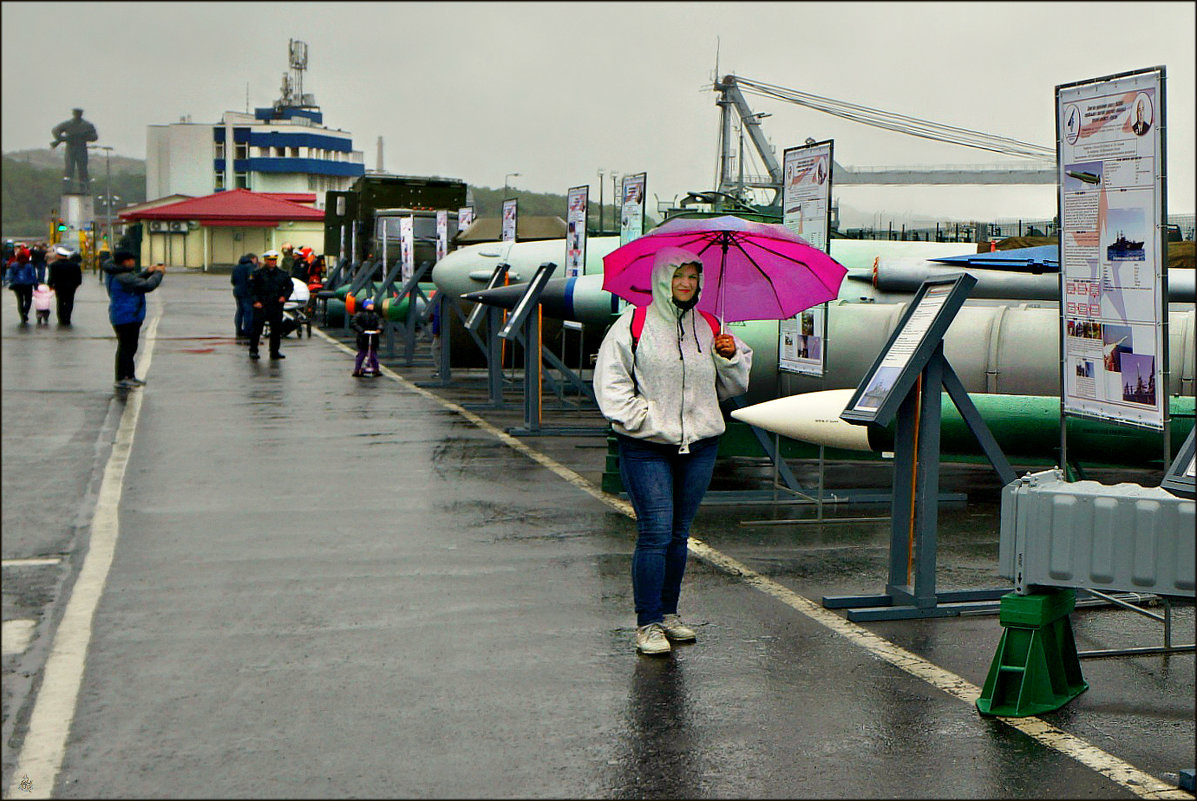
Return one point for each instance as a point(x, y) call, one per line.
point(243, 319)
point(22, 278)
point(270, 287)
point(368, 324)
point(127, 288)
point(65, 276)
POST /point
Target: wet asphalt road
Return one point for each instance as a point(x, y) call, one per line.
point(332, 587)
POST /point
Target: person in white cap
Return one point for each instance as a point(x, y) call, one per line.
point(64, 276)
point(269, 287)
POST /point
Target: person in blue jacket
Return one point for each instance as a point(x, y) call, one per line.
point(22, 277)
point(127, 288)
point(243, 319)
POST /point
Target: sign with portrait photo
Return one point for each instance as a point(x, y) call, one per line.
point(1111, 201)
point(631, 208)
point(806, 210)
point(577, 203)
point(509, 219)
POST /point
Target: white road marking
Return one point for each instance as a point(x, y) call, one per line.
point(50, 723)
point(16, 635)
point(33, 562)
point(1142, 784)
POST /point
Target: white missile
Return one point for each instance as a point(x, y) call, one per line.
point(809, 417)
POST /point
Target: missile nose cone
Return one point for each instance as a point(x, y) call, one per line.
point(502, 296)
point(809, 417)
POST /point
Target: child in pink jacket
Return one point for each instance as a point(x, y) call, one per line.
point(43, 300)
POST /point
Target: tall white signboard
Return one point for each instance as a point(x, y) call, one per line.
point(407, 241)
point(806, 210)
point(631, 214)
point(509, 215)
point(442, 234)
point(1110, 149)
point(577, 202)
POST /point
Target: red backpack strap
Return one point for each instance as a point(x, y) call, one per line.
point(639, 315)
point(712, 321)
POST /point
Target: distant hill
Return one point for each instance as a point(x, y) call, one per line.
point(31, 185)
point(53, 159)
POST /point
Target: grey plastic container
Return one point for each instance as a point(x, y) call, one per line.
point(1122, 538)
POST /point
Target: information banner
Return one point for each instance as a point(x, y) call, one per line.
point(578, 200)
point(1110, 150)
point(631, 216)
point(509, 215)
point(442, 234)
point(406, 247)
point(806, 194)
point(465, 217)
point(806, 210)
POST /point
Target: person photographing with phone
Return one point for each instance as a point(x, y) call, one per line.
point(127, 287)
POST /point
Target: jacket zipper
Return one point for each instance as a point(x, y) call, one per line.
point(685, 446)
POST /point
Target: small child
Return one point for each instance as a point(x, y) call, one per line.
point(43, 301)
point(368, 324)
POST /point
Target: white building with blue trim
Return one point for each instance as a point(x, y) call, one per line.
point(276, 149)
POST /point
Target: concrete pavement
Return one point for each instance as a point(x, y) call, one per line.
point(328, 586)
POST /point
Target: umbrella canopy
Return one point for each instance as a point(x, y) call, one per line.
point(751, 270)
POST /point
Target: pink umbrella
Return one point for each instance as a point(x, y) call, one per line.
point(751, 270)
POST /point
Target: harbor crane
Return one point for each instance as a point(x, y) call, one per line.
point(732, 89)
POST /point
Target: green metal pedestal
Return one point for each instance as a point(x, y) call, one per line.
point(1036, 668)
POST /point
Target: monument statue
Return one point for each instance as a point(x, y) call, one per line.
point(76, 132)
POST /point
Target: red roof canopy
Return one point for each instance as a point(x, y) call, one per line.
point(235, 207)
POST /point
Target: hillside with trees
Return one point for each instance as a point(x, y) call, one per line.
point(31, 185)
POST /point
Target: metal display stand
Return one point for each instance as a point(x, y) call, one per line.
point(492, 348)
point(909, 369)
point(523, 326)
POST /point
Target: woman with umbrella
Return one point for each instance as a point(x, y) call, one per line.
point(659, 377)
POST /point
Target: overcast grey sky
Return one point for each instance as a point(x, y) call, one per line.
point(556, 91)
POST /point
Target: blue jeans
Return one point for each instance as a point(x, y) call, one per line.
point(665, 488)
point(243, 319)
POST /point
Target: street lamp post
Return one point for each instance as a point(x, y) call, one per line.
point(505, 177)
point(107, 190)
point(616, 200)
point(601, 173)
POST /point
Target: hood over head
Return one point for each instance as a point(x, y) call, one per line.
point(665, 264)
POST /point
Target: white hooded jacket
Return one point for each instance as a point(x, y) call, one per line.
point(680, 377)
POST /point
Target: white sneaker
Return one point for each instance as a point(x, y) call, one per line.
point(651, 640)
point(675, 629)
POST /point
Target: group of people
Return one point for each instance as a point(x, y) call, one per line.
point(39, 287)
point(659, 377)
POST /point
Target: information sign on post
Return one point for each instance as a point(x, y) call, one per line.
point(577, 202)
point(1113, 314)
point(509, 217)
point(915, 338)
point(631, 215)
point(442, 234)
point(806, 210)
point(407, 248)
point(465, 217)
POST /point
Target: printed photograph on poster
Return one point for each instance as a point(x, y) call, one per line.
point(1083, 175)
point(878, 388)
point(465, 217)
point(631, 218)
point(1138, 378)
point(1126, 235)
point(1144, 116)
point(575, 235)
point(1116, 341)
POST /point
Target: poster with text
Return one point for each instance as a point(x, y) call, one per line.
point(509, 215)
point(631, 207)
point(577, 201)
point(407, 242)
point(1110, 146)
point(465, 217)
point(442, 234)
point(806, 210)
